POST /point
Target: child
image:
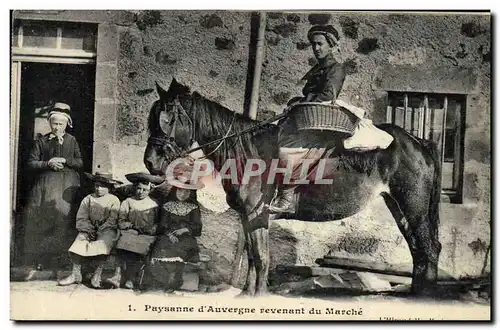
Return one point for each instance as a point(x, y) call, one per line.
point(137, 221)
point(96, 222)
point(180, 224)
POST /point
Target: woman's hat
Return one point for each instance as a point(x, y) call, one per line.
point(102, 177)
point(144, 177)
point(61, 109)
point(330, 33)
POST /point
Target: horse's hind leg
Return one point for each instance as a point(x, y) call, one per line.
point(411, 216)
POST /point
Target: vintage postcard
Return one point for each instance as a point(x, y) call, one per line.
point(250, 165)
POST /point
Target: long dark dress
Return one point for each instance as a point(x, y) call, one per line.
point(49, 224)
point(163, 264)
point(176, 215)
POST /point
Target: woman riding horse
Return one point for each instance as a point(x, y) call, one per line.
point(323, 84)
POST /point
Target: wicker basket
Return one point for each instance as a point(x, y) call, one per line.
point(135, 243)
point(322, 116)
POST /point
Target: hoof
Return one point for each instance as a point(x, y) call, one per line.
point(429, 291)
point(264, 293)
point(244, 294)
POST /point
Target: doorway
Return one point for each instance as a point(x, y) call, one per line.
point(41, 85)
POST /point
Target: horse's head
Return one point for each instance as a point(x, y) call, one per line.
point(171, 130)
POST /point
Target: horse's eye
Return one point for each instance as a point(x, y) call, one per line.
point(171, 139)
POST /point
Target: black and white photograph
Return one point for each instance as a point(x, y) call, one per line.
point(324, 165)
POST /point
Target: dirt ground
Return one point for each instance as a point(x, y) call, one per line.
point(44, 300)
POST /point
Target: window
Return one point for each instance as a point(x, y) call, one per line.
point(440, 118)
point(45, 39)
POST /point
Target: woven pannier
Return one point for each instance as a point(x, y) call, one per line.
point(323, 116)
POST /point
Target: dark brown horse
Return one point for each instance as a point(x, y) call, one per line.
point(407, 174)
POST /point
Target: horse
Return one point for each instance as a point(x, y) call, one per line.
point(407, 174)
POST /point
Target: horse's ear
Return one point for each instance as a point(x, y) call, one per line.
point(161, 91)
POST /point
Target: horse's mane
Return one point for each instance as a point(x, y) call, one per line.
point(213, 121)
point(153, 118)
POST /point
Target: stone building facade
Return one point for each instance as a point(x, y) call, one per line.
point(387, 55)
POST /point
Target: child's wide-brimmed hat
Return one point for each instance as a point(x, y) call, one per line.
point(182, 174)
point(183, 182)
point(144, 177)
point(63, 109)
point(103, 177)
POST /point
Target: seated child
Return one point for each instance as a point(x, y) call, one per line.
point(137, 222)
point(180, 224)
point(96, 222)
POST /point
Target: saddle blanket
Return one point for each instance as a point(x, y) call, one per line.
point(367, 137)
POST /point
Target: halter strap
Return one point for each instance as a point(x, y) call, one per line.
point(168, 140)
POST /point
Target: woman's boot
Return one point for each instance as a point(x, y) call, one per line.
point(285, 198)
point(75, 277)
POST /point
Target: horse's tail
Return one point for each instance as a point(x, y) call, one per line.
point(435, 197)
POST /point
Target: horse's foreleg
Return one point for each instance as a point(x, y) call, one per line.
point(256, 223)
point(249, 287)
point(260, 245)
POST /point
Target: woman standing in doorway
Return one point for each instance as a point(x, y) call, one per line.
point(55, 161)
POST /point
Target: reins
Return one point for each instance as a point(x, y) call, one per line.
point(169, 140)
point(245, 131)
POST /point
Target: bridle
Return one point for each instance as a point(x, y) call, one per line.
point(167, 139)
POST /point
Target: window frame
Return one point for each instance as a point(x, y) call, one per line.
point(454, 195)
point(53, 54)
